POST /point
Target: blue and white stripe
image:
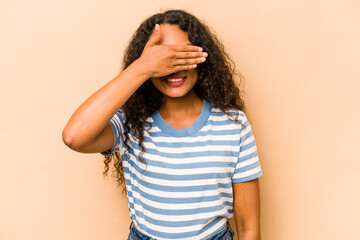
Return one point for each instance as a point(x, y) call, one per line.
point(184, 191)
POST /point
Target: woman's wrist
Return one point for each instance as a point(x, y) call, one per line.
point(141, 68)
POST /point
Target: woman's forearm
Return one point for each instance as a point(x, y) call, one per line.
point(249, 235)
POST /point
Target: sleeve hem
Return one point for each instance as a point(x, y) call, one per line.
point(110, 151)
point(248, 178)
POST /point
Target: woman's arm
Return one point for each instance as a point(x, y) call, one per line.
point(88, 129)
point(247, 209)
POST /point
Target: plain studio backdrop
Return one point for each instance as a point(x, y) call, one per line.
point(300, 61)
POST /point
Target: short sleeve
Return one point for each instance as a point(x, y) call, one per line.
point(248, 165)
point(117, 125)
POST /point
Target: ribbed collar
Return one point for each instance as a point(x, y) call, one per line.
point(186, 131)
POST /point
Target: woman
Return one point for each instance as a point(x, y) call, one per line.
point(174, 122)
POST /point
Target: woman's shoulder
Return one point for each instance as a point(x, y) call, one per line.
point(230, 113)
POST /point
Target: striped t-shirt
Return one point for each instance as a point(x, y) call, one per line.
point(184, 189)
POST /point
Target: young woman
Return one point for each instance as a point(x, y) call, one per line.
point(173, 120)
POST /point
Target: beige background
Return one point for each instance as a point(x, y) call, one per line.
point(300, 60)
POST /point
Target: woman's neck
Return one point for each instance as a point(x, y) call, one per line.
point(189, 104)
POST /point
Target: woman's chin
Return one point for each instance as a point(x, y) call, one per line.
point(179, 93)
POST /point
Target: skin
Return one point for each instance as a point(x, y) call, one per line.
point(168, 52)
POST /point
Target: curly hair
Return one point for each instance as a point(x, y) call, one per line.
point(215, 82)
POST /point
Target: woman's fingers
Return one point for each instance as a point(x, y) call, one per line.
point(155, 36)
point(186, 48)
point(189, 61)
point(190, 54)
point(184, 67)
point(188, 57)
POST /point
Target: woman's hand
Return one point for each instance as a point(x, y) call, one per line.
point(162, 60)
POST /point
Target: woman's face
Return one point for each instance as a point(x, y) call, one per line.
point(180, 83)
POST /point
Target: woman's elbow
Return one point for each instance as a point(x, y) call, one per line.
point(70, 140)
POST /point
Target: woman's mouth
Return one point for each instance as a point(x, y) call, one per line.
point(174, 81)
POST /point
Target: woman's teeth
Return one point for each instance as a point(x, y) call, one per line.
point(175, 79)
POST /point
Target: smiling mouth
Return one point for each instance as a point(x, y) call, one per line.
point(175, 79)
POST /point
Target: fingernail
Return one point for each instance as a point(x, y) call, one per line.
point(202, 59)
point(157, 27)
point(205, 54)
point(200, 49)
